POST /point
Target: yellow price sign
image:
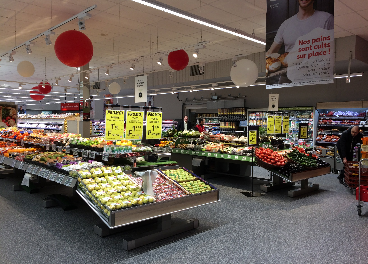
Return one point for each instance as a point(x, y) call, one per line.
point(303, 131)
point(270, 125)
point(134, 125)
point(278, 123)
point(252, 136)
point(154, 125)
point(285, 125)
point(114, 124)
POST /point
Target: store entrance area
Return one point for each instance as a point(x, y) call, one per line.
point(319, 228)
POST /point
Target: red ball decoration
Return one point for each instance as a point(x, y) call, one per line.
point(178, 60)
point(73, 48)
point(36, 95)
point(44, 87)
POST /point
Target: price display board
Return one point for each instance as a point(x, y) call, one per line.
point(285, 125)
point(270, 124)
point(303, 131)
point(154, 125)
point(134, 125)
point(278, 124)
point(253, 135)
point(114, 124)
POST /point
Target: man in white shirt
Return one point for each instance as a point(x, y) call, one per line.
point(299, 25)
point(184, 125)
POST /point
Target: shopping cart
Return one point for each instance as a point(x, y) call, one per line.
point(362, 190)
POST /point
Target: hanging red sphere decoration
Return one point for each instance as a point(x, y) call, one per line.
point(36, 95)
point(73, 48)
point(178, 60)
point(44, 87)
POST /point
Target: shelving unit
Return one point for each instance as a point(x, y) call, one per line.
point(98, 127)
point(332, 122)
point(54, 124)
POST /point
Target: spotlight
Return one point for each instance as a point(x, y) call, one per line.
point(28, 49)
point(212, 89)
point(159, 62)
point(191, 90)
point(47, 36)
point(48, 40)
point(20, 86)
point(81, 20)
point(107, 71)
point(57, 82)
point(132, 67)
point(195, 54)
point(86, 76)
point(11, 59)
point(237, 86)
point(70, 79)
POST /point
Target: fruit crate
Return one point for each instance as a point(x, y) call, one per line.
point(196, 178)
point(351, 170)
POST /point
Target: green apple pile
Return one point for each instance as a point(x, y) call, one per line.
point(196, 186)
point(180, 175)
point(111, 189)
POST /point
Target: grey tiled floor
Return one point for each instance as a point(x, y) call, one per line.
point(319, 228)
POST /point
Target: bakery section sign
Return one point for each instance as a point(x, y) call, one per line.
point(300, 42)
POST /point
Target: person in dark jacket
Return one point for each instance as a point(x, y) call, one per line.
point(348, 140)
point(184, 124)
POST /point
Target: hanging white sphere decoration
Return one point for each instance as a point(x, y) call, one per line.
point(244, 73)
point(25, 69)
point(114, 88)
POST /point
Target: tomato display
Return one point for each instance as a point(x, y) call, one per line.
point(271, 157)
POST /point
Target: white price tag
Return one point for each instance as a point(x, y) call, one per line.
point(47, 147)
point(60, 178)
point(60, 148)
point(2, 159)
point(92, 154)
point(67, 149)
point(53, 147)
point(85, 153)
point(52, 176)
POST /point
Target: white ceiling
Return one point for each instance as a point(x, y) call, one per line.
point(122, 31)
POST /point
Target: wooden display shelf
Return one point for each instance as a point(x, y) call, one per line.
point(309, 174)
point(145, 212)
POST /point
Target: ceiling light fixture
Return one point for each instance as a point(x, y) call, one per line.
point(160, 60)
point(11, 59)
point(70, 79)
point(28, 49)
point(47, 37)
point(199, 20)
point(57, 82)
point(132, 67)
point(107, 71)
point(195, 54)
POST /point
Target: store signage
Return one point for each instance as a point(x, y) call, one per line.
point(273, 102)
point(270, 124)
point(278, 124)
point(285, 124)
point(253, 135)
point(303, 131)
point(114, 124)
point(141, 89)
point(154, 125)
point(299, 53)
point(134, 125)
point(69, 106)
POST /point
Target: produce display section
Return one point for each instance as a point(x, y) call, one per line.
point(212, 155)
point(119, 199)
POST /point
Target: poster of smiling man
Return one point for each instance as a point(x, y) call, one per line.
point(300, 42)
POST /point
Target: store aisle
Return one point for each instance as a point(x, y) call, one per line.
point(320, 228)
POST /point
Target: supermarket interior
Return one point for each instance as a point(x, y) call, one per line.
point(197, 131)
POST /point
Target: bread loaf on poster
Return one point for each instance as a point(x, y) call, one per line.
point(273, 63)
point(283, 60)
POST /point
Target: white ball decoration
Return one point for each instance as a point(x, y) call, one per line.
point(244, 73)
point(114, 88)
point(25, 69)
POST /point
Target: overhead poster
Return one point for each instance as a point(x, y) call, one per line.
point(134, 125)
point(154, 125)
point(141, 89)
point(114, 125)
point(300, 42)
